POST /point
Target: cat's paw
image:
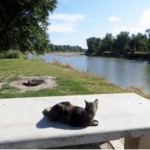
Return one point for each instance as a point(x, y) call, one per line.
point(94, 123)
point(46, 110)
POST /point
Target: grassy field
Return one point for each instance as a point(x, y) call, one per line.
point(70, 82)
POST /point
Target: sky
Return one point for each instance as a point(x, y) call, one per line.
point(74, 21)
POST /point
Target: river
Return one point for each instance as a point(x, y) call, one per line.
point(122, 72)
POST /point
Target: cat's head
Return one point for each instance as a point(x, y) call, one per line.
point(91, 106)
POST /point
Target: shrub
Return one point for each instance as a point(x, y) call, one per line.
point(13, 54)
point(2, 55)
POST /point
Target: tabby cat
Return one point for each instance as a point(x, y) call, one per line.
point(72, 115)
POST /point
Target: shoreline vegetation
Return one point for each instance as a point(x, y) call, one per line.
point(67, 53)
point(123, 45)
point(69, 80)
point(136, 56)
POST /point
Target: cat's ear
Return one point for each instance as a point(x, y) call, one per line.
point(96, 101)
point(86, 103)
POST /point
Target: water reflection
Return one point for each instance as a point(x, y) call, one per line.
point(122, 72)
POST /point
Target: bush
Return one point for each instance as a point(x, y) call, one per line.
point(12, 54)
point(2, 55)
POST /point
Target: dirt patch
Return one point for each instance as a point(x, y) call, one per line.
point(49, 82)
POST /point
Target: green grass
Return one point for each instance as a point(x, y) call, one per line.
point(70, 82)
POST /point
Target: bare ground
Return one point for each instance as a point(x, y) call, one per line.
point(50, 82)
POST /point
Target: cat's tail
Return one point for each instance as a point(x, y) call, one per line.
point(47, 110)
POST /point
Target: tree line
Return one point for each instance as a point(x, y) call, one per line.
point(122, 44)
point(66, 48)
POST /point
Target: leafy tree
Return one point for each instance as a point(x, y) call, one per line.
point(93, 44)
point(138, 43)
point(142, 42)
point(121, 43)
point(23, 24)
point(133, 43)
point(108, 42)
point(148, 41)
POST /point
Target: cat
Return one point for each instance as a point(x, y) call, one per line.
point(72, 115)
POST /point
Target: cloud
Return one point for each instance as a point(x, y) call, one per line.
point(62, 22)
point(62, 27)
point(142, 24)
point(68, 17)
point(145, 18)
point(114, 19)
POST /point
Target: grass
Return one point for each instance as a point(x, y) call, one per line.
point(70, 82)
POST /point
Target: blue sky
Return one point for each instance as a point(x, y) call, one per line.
point(73, 21)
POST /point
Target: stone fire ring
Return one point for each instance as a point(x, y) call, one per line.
point(47, 82)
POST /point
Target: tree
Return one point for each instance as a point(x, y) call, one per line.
point(133, 43)
point(121, 43)
point(23, 24)
point(148, 41)
point(108, 42)
point(142, 42)
point(93, 44)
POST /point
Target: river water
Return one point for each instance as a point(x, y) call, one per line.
point(122, 72)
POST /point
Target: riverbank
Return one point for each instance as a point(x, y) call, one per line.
point(135, 56)
point(67, 53)
point(69, 81)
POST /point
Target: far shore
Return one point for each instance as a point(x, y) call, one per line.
point(145, 57)
point(135, 56)
point(68, 53)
